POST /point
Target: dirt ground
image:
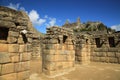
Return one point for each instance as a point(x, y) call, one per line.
point(93, 71)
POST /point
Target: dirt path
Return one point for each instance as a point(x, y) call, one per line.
point(93, 71)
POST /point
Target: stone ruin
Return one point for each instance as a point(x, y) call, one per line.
point(56, 52)
point(59, 53)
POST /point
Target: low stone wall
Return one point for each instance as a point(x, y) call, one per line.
point(108, 55)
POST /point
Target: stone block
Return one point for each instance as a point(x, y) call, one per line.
point(96, 59)
point(22, 66)
point(20, 40)
point(3, 47)
point(30, 40)
point(111, 54)
point(113, 60)
point(119, 60)
point(7, 24)
point(13, 34)
point(117, 55)
point(11, 76)
point(12, 40)
point(70, 47)
point(23, 75)
point(50, 51)
point(26, 56)
point(50, 66)
point(15, 58)
point(4, 57)
point(71, 57)
point(102, 59)
point(21, 48)
point(13, 48)
point(7, 68)
point(28, 47)
point(49, 46)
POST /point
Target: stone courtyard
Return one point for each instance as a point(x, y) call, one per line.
point(74, 51)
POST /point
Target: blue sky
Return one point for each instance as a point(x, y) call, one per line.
point(45, 13)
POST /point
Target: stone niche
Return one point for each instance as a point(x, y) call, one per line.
point(15, 47)
point(59, 53)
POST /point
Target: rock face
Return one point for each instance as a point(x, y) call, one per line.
point(59, 53)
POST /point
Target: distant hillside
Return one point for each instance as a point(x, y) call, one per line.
point(89, 26)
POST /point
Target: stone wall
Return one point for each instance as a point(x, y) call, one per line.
point(106, 49)
point(59, 53)
point(15, 45)
point(83, 49)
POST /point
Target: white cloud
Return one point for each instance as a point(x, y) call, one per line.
point(35, 18)
point(14, 6)
point(46, 16)
point(52, 22)
point(116, 27)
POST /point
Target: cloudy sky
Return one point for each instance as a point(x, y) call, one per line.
point(45, 13)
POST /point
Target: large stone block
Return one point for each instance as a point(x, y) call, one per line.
point(50, 51)
point(7, 24)
point(15, 58)
point(4, 57)
point(3, 47)
point(21, 48)
point(28, 47)
point(12, 40)
point(23, 75)
point(13, 48)
point(113, 60)
point(111, 54)
point(97, 59)
point(11, 76)
point(20, 40)
point(50, 66)
point(13, 34)
point(102, 59)
point(117, 55)
point(22, 66)
point(26, 56)
point(7, 68)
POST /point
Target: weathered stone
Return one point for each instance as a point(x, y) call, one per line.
point(26, 56)
point(111, 54)
point(7, 68)
point(13, 48)
point(23, 75)
point(4, 57)
point(15, 58)
point(12, 40)
point(113, 60)
point(7, 24)
point(22, 66)
point(3, 47)
point(117, 55)
point(11, 76)
point(21, 48)
point(13, 34)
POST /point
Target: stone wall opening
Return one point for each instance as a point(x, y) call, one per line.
point(111, 41)
point(24, 38)
point(64, 38)
point(97, 41)
point(3, 33)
